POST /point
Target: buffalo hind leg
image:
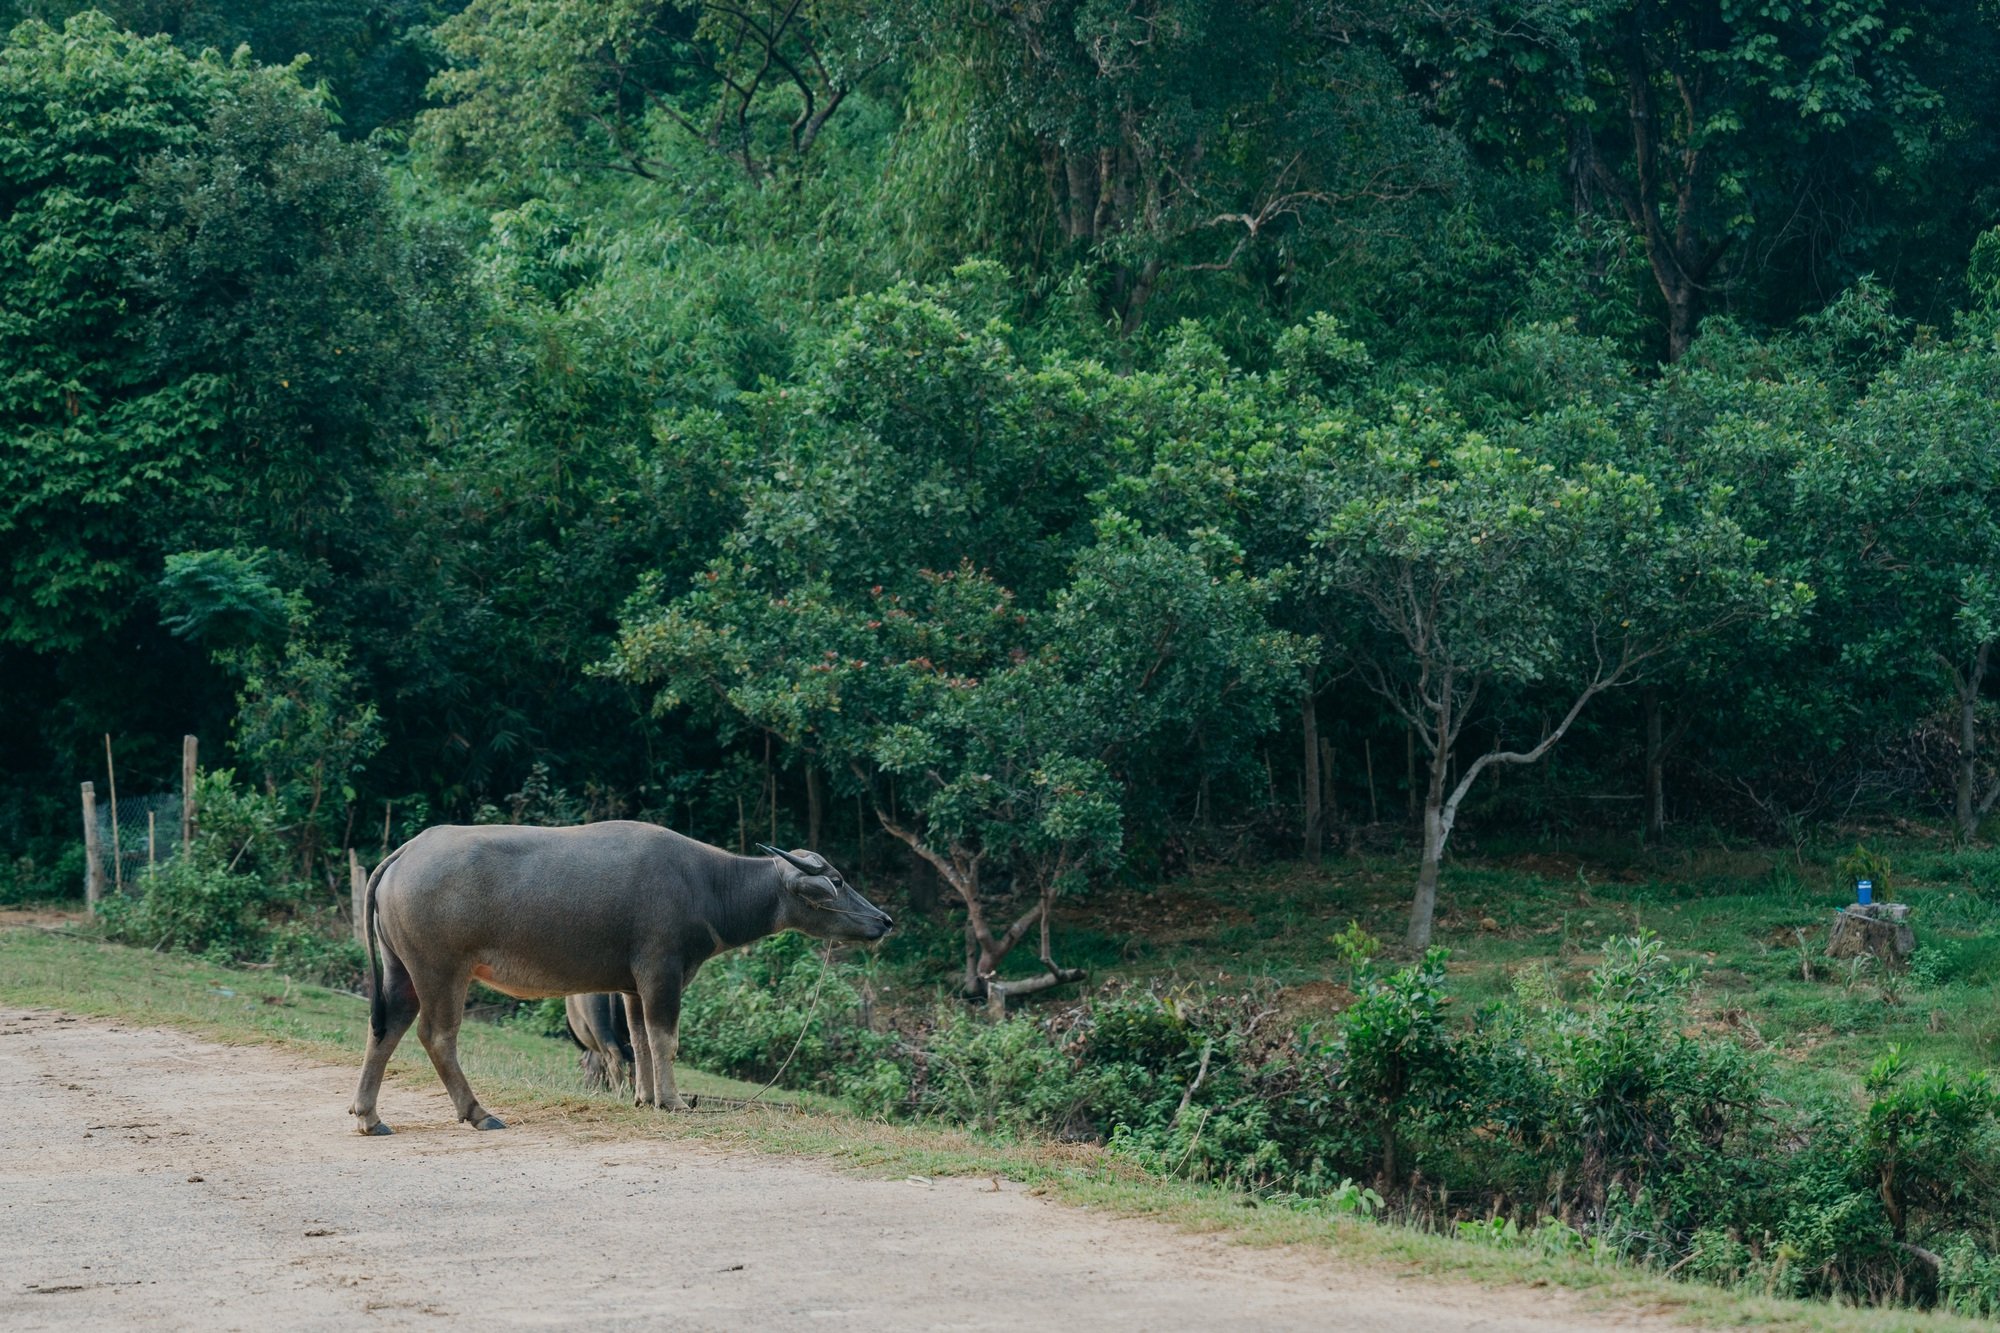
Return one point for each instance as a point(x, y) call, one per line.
point(438, 1020)
point(663, 1037)
point(642, 1055)
point(400, 1010)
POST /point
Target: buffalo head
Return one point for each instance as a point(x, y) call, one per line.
point(819, 902)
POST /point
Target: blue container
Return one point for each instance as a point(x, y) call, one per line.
point(1864, 891)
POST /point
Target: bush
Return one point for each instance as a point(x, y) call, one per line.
point(208, 900)
point(1644, 1102)
point(1394, 1065)
point(1929, 1145)
point(1180, 1086)
point(191, 906)
point(52, 877)
point(546, 1017)
point(1005, 1076)
point(1969, 1280)
point(322, 953)
point(1604, 1128)
point(745, 1014)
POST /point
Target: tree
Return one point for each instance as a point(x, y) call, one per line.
point(1007, 683)
point(1717, 135)
point(573, 82)
point(985, 738)
point(1202, 142)
point(304, 726)
point(275, 267)
point(1907, 491)
point(217, 324)
point(1471, 571)
point(375, 58)
point(90, 433)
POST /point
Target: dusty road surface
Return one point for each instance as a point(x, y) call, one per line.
point(152, 1179)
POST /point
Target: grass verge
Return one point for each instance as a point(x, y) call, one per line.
point(528, 1075)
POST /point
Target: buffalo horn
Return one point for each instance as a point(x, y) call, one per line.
point(801, 866)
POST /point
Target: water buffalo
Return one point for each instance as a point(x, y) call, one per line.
point(598, 1026)
point(620, 907)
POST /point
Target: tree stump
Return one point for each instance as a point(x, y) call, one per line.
point(1877, 930)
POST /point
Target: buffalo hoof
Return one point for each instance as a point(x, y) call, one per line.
point(374, 1130)
point(491, 1122)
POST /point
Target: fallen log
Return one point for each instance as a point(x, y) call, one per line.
point(998, 992)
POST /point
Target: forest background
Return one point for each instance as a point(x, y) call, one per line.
point(1025, 451)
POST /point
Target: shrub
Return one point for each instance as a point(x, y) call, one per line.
point(208, 900)
point(1395, 1065)
point(745, 1013)
point(1928, 1145)
point(319, 952)
point(545, 1017)
point(1969, 1280)
point(1005, 1076)
point(1644, 1102)
point(1176, 1082)
point(27, 878)
point(191, 906)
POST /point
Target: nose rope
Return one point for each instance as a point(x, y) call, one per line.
point(858, 916)
point(812, 1010)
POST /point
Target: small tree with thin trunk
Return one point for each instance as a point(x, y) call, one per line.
point(1014, 739)
point(1468, 572)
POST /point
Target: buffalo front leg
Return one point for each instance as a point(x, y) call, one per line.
point(663, 1039)
point(438, 1020)
point(399, 1010)
point(642, 1055)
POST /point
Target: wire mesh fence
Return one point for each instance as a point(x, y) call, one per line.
point(139, 841)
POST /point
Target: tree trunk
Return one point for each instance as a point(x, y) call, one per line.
point(1437, 827)
point(1410, 770)
point(813, 807)
point(1968, 806)
point(1441, 809)
point(958, 867)
point(1683, 315)
point(1329, 800)
point(1656, 763)
point(923, 886)
point(1309, 720)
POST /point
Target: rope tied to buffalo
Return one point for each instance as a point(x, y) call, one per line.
point(710, 1104)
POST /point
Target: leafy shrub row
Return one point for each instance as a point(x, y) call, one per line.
point(1607, 1127)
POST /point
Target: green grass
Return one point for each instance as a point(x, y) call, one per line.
point(522, 1073)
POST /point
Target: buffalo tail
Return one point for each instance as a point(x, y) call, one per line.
point(378, 1004)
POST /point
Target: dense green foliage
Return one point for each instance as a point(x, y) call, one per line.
point(1021, 450)
point(1599, 1124)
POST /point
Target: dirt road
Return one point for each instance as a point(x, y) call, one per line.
point(149, 1178)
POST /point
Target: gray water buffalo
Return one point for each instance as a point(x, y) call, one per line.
point(620, 907)
point(598, 1026)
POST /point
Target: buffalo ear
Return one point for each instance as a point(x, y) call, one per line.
point(812, 889)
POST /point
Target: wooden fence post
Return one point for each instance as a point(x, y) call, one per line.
point(93, 858)
point(117, 856)
point(357, 891)
point(152, 844)
point(188, 746)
